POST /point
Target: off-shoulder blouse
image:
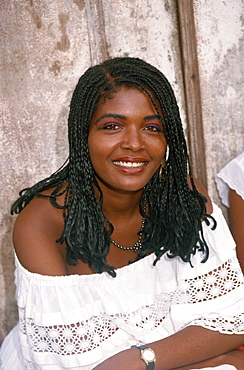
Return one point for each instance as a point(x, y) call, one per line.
point(77, 321)
point(231, 177)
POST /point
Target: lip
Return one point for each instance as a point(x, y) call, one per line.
point(130, 165)
point(130, 159)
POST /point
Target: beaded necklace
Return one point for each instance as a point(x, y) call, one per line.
point(138, 244)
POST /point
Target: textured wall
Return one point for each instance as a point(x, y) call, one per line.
point(220, 39)
point(45, 46)
point(41, 57)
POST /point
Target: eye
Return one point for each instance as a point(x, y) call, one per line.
point(111, 126)
point(153, 127)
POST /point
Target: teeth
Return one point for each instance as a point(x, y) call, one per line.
point(129, 164)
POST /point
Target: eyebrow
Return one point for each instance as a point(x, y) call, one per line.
point(153, 116)
point(119, 116)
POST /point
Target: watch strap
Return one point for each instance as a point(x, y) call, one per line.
point(150, 365)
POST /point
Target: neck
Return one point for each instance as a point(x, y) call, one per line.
point(120, 204)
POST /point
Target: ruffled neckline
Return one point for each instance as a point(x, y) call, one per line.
point(138, 265)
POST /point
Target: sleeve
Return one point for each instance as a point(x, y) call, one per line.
point(211, 294)
point(231, 177)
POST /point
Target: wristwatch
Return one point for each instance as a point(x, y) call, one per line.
point(148, 356)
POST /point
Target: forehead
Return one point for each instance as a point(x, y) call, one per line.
point(128, 98)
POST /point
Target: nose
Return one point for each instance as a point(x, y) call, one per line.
point(132, 139)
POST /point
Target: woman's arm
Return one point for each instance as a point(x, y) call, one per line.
point(194, 346)
point(36, 230)
point(234, 358)
point(236, 213)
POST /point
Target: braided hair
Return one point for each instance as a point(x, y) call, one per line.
point(173, 221)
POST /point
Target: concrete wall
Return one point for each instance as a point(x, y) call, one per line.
point(45, 47)
point(220, 41)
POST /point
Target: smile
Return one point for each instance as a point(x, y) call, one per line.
point(129, 164)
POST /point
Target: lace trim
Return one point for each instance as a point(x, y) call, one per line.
point(87, 335)
point(222, 324)
point(212, 285)
point(68, 339)
point(145, 319)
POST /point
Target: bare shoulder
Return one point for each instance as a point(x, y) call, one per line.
point(201, 189)
point(36, 230)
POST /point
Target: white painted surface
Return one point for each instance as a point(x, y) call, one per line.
point(219, 28)
point(44, 49)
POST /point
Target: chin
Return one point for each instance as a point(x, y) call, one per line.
point(130, 187)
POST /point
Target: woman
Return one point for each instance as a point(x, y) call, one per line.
point(119, 263)
point(230, 184)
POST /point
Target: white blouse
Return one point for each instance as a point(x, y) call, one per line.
point(231, 177)
point(77, 321)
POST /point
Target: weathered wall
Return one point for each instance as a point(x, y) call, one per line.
point(220, 42)
point(45, 47)
point(41, 58)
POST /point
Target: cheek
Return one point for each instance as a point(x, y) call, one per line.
point(160, 149)
point(98, 145)
point(98, 153)
point(94, 154)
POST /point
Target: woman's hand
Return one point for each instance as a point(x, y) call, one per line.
point(128, 359)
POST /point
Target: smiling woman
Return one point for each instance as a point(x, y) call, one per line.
point(126, 141)
point(121, 249)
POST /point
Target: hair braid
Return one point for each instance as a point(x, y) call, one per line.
point(173, 222)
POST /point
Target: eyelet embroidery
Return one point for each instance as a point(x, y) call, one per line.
point(81, 337)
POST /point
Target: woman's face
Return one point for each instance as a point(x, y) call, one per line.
point(126, 141)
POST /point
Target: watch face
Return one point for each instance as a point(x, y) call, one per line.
point(148, 355)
